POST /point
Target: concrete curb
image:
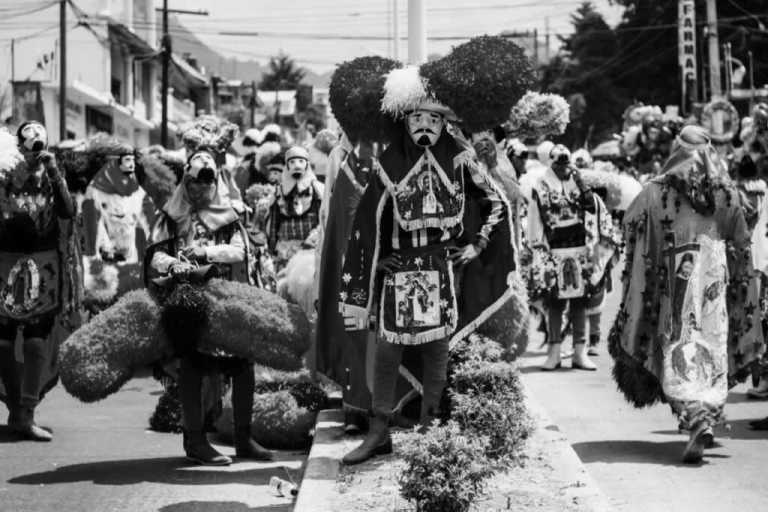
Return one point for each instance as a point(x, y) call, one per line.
point(319, 482)
point(567, 465)
point(318, 486)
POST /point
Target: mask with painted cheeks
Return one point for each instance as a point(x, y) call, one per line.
point(200, 179)
point(425, 127)
point(33, 138)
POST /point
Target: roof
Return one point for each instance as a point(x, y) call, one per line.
point(120, 33)
point(188, 72)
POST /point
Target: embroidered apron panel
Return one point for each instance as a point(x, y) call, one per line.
point(418, 303)
point(29, 284)
point(571, 265)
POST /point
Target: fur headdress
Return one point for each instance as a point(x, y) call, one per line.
point(355, 94)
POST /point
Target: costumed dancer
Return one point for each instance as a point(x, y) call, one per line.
point(40, 273)
point(294, 216)
point(117, 211)
point(342, 354)
point(689, 323)
point(428, 208)
point(572, 242)
point(647, 140)
point(199, 229)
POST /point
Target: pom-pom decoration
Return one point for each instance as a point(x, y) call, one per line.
point(621, 189)
point(480, 80)
point(404, 90)
point(10, 156)
point(539, 115)
point(355, 95)
point(158, 178)
point(241, 320)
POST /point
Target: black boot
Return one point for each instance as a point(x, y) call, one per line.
point(377, 442)
point(21, 421)
point(247, 448)
point(200, 451)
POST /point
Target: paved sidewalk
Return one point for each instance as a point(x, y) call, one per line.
point(634, 454)
point(103, 459)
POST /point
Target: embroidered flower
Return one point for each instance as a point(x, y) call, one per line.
point(357, 235)
point(346, 278)
point(407, 214)
point(343, 296)
point(418, 261)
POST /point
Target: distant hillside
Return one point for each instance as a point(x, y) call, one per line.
point(185, 41)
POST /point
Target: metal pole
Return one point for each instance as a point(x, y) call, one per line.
point(63, 70)
point(395, 31)
point(164, 84)
point(714, 51)
point(751, 80)
point(417, 31)
point(13, 60)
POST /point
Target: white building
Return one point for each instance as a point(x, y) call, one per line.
point(112, 72)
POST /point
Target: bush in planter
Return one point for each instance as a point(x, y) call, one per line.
point(445, 469)
point(278, 421)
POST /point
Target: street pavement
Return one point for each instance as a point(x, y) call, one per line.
point(103, 459)
point(634, 455)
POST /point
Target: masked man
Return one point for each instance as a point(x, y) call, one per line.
point(40, 276)
point(295, 213)
point(119, 210)
point(688, 326)
point(415, 210)
point(199, 234)
point(572, 241)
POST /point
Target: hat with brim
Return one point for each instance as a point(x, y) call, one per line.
point(406, 91)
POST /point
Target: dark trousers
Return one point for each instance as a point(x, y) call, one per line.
point(23, 382)
point(191, 377)
point(434, 356)
point(577, 314)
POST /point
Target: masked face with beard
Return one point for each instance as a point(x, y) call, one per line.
point(485, 147)
point(201, 179)
point(33, 137)
point(297, 167)
point(425, 127)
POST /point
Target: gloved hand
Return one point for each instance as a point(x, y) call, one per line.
point(48, 160)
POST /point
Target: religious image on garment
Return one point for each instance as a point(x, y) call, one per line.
point(683, 259)
point(418, 298)
point(569, 264)
point(690, 359)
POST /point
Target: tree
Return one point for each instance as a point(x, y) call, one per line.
point(579, 74)
point(283, 74)
point(647, 35)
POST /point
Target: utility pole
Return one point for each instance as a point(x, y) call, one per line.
point(714, 51)
point(166, 44)
point(417, 31)
point(253, 103)
point(63, 70)
point(166, 62)
point(13, 60)
point(395, 31)
point(546, 39)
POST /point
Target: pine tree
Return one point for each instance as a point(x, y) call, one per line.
point(283, 74)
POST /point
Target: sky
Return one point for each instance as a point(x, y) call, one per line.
point(293, 26)
point(318, 34)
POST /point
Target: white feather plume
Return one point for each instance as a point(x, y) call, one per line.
point(10, 155)
point(404, 90)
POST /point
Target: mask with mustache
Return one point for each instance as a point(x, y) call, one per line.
point(425, 127)
point(33, 138)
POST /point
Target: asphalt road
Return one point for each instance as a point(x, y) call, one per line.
point(103, 459)
point(635, 454)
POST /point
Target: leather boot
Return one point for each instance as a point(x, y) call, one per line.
point(247, 448)
point(377, 442)
point(200, 451)
point(21, 421)
point(581, 360)
point(553, 358)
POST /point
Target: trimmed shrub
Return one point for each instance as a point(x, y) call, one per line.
point(445, 469)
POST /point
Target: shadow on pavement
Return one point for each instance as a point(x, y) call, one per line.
point(739, 429)
point(168, 470)
point(223, 506)
point(637, 452)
